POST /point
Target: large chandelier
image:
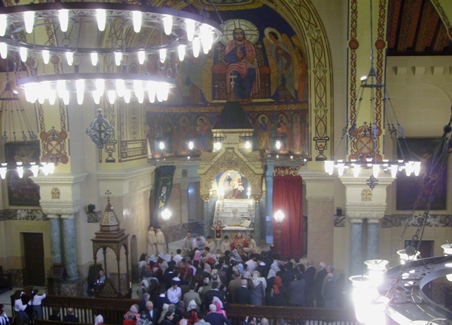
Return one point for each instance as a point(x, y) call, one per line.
point(365, 139)
point(113, 50)
point(17, 128)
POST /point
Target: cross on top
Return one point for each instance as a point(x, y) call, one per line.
point(108, 194)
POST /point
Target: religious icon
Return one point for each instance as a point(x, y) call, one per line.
point(218, 228)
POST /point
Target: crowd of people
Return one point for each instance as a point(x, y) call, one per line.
point(199, 282)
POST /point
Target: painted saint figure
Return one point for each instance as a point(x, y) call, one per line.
point(242, 74)
point(263, 134)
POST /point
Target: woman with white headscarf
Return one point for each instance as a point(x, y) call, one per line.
point(257, 289)
point(99, 320)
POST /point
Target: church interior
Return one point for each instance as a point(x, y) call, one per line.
point(270, 130)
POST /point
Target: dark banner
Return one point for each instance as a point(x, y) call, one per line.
point(163, 184)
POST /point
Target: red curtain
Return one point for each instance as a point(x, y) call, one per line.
point(287, 197)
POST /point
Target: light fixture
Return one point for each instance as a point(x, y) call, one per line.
point(17, 128)
point(279, 218)
point(247, 138)
point(217, 140)
point(178, 31)
point(364, 147)
point(166, 214)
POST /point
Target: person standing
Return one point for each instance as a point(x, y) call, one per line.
point(187, 245)
point(35, 303)
point(318, 285)
point(4, 320)
point(19, 308)
point(160, 240)
point(243, 294)
point(152, 241)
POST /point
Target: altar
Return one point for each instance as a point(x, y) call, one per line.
point(235, 215)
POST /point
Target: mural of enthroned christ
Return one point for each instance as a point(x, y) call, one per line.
point(242, 71)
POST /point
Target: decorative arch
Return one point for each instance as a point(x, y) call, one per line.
point(230, 160)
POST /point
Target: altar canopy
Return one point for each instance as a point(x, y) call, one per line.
point(287, 197)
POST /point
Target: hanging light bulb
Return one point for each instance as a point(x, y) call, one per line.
point(356, 170)
point(191, 145)
point(52, 97)
point(127, 95)
point(181, 52)
point(94, 58)
point(34, 169)
point(278, 144)
point(375, 170)
point(66, 97)
point(63, 15)
point(161, 145)
point(80, 89)
point(3, 24)
point(23, 51)
point(247, 144)
point(340, 167)
point(137, 18)
point(416, 167)
point(162, 54)
point(329, 167)
point(190, 27)
point(167, 24)
point(150, 87)
point(96, 97)
point(41, 96)
point(29, 21)
point(100, 86)
point(111, 96)
point(408, 169)
point(45, 56)
point(120, 86)
point(141, 56)
point(217, 145)
point(394, 170)
point(101, 16)
point(118, 58)
point(61, 88)
point(206, 38)
point(70, 58)
point(3, 50)
point(196, 46)
point(3, 170)
point(140, 96)
point(20, 169)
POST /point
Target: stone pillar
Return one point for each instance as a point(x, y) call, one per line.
point(207, 215)
point(257, 221)
point(269, 197)
point(55, 239)
point(373, 239)
point(356, 238)
point(70, 251)
point(320, 211)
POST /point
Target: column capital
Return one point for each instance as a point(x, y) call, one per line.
point(60, 207)
point(67, 216)
point(53, 216)
point(373, 212)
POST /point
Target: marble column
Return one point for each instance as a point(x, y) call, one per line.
point(373, 239)
point(356, 238)
point(207, 216)
point(269, 211)
point(55, 239)
point(257, 222)
point(70, 247)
